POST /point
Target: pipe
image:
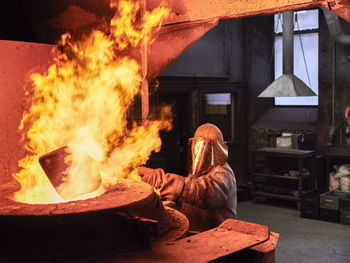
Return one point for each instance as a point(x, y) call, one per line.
point(332, 127)
point(287, 85)
point(288, 42)
point(334, 53)
point(334, 27)
point(144, 85)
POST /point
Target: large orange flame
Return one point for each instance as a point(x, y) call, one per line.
point(82, 102)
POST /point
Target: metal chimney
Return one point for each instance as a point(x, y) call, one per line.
point(287, 85)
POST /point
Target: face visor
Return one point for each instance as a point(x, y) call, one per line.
point(203, 153)
point(200, 155)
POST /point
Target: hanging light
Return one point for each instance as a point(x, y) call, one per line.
point(287, 85)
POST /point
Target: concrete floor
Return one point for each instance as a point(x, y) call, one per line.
point(301, 240)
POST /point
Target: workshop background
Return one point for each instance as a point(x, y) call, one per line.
point(237, 59)
point(291, 159)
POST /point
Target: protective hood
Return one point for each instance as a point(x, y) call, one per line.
point(206, 149)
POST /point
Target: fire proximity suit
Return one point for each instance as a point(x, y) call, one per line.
point(208, 195)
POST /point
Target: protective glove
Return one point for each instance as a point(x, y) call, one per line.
point(169, 185)
point(153, 177)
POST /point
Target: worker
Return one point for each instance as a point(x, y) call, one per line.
point(208, 195)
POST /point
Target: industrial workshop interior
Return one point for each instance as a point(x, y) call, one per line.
point(175, 131)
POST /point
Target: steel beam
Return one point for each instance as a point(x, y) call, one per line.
point(193, 10)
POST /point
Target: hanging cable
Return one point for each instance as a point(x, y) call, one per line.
point(302, 48)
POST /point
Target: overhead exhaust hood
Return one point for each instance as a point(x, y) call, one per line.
point(287, 85)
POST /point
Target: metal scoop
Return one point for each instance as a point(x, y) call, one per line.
point(55, 165)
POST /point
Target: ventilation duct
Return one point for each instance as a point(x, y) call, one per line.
point(287, 85)
point(335, 28)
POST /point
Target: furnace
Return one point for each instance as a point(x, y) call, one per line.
point(128, 224)
point(123, 218)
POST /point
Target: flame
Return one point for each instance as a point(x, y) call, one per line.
point(157, 191)
point(82, 101)
point(197, 149)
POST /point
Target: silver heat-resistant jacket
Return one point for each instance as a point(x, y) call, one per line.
point(206, 200)
point(209, 194)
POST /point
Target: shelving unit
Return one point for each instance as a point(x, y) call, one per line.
point(276, 176)
point(336, 155)
point(272, 154)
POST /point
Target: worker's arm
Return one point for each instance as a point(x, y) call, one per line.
point(209, 191)
point(169, 185)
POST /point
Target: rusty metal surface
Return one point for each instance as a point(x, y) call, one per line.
point(55, 166)
point(144, 101)
point(269, 245)
point(18, 59)
point(135, 198)
point(341, 8)
point(192, 10)
point(107, 223)
point(230, 237)
point(171, 41)
point(266, 250)
point(78, 17)
point(93, 235)
point(179, 226)
point(134, 194)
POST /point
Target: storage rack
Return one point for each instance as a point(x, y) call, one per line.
point(299, 155)
point(336, 154)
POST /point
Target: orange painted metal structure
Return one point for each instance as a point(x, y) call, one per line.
point(190, 19)
point(193, 10)
point(187, 22)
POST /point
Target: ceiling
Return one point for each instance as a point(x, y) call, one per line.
point(44, 21)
